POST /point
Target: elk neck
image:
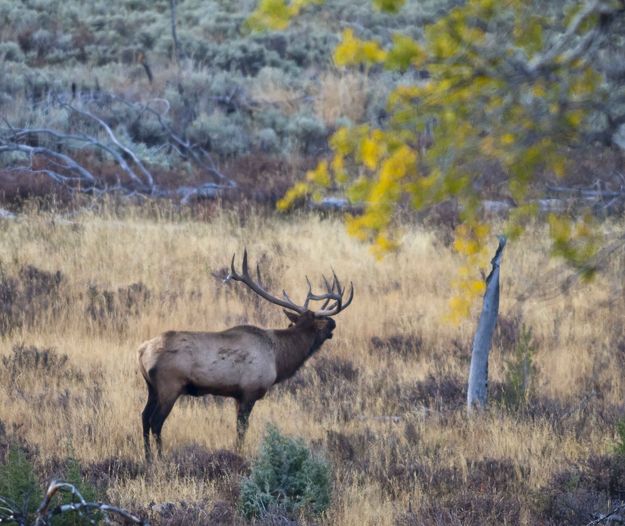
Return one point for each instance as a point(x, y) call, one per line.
point(293, 347)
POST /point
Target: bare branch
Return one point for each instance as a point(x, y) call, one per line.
point(69, 163)
point(148, 176)
point(20, 134)
point(76, 177)
point(182, 145)
point(563, 42)
point(45, 514)
point(610, 517)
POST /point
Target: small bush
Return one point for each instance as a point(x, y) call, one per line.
point(11, 52)
point(100, 473)
point(520, 369)
point(267, 141)
point(89, 493)
point(583, 491)
point(308, 133)
point(330, 370)
point(26, 297)
point(286, 478)
point(18, 485)
point(403, 345)
point(21, 491)
point(33, 361)
point(220, 134)
point(195, 461)
point(108, 308)
point(185, 514)
point(620, 438)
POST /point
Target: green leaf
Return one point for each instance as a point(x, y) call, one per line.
point(404, 53)
point(389, 6)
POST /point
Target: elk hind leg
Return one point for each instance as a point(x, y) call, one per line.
point(146, 417)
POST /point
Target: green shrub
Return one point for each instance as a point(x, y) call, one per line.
point(89, 493)
point(22, 493)
point(272, 118)
point(43, 40)
point(286, 478)
point(620, 437)
point(308, 133)
point(267, 140)
point(220, 134)
point(311, 47)
point(11, 52)
point(520, 369)
point(18, 483)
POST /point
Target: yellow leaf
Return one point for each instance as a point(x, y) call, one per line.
point(345, 53)
point(383, 245)
point(575, 117)
point(319, 175)
point(507, 139)
point(476, 287)
point(404, 53)
point(338, 167)
point(487, 146)
point(294, 193)
point(352, 50)
point(538, 89)
point(398, 164)
point(459, 309)
point(370, 151)
point(341, 141)
point(372, 52)
point(558, 165)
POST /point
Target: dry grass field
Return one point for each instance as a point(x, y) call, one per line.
point(383, 401)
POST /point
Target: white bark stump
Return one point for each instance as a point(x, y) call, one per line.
point(477, 391)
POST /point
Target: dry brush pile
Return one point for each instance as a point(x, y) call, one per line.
point(383, 402)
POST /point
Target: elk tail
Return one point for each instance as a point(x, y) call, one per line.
point(142, 370)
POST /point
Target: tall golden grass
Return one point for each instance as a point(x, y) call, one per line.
point(97, 415)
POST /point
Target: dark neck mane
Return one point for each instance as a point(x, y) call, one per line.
point(293, 347)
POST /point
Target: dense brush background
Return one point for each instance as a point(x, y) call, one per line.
point(81, 287)
point(262, 104)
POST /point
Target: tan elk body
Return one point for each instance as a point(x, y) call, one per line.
point(242, 362)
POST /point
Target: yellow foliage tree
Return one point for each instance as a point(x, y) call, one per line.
point(505, 83)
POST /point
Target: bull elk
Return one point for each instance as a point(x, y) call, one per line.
point(242, 362)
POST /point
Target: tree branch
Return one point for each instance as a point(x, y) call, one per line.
point(71, 164)
point(611, 515)
point(184, 145)
point(148, 176)
point(20, 134)
point(45, 514)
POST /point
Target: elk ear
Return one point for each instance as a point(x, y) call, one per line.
point(292, 316)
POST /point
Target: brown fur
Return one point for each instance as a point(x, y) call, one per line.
point(242, 362)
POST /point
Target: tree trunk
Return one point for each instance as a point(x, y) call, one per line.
point(478, 375)
point(174, 36)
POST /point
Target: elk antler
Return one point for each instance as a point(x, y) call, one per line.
point(337, 296)
point(334, 292)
